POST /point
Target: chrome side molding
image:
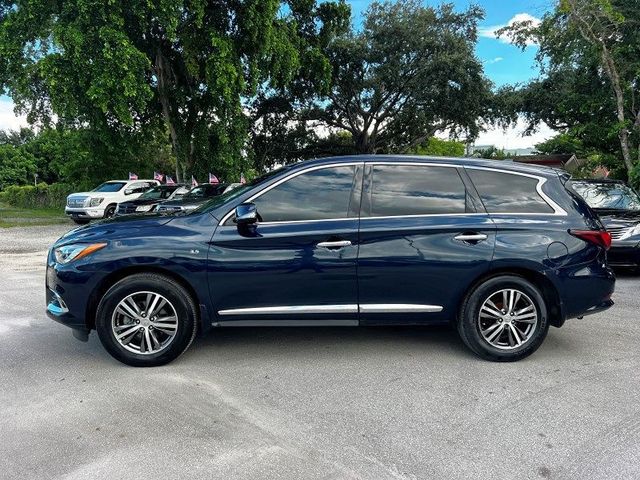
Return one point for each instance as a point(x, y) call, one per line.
point(350, 308)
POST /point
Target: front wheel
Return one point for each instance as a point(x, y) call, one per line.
point(504, 319)
point(146, 320)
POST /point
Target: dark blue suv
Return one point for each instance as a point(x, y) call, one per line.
point(499, 250)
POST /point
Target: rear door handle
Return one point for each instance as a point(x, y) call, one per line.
point(335, 244)
point(471, 237)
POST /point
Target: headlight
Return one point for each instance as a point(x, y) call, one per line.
point(94, 202)
point(76, 251)
point(635, 231)
point(144, 208)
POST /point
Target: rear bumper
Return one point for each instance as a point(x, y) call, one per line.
point(586, 290)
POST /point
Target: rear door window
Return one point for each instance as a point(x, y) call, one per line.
point(503, 192)
point(400, 190)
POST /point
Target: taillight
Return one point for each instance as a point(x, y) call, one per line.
point(601, 238)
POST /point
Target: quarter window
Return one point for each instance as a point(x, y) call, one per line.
point(399, 190)
point(508, 193)
point(316, 195)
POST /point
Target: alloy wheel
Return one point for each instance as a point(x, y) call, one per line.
point(144, 323)
point(507, 319)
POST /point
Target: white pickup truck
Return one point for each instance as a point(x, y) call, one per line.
point(101, 202)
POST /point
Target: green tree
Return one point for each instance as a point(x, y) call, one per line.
point(590, 59)
point(409, 72)
point(126, 68)
point(440, 148)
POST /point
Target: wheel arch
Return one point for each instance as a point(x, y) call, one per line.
point(114, 277)
point(547, 288)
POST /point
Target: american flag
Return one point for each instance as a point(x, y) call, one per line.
point(170, 181)
point(158, 176)
point(133, 176)
point(194, 182)
point(213, 179)
point(242, 179)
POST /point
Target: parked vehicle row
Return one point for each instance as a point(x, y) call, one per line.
point(500, 250)
point(116, 198)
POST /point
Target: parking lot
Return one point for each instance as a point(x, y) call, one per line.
point(317, 403)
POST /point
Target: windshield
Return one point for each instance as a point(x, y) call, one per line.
point(608, 196)
point(197, 192)
point(157, 193)
point(178, 193)
point(110, 187)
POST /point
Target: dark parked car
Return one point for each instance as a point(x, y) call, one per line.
point(618, 206)
point(193, 198)
point(150, 199)
point(500, 250)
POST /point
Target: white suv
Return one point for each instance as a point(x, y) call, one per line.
point(101, 202)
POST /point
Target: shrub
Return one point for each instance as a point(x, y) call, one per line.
point(39, 196)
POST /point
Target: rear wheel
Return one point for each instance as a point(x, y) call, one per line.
point(504, 319)
point(146, 320)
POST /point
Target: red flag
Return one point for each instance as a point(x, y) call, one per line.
point(213, 179)
point(170, 181)
point(194, 182)
point(158, 176)
point(242, 179)
point(133, 176)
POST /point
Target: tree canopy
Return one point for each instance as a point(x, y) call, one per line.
point(125, 69)
point(590, 84)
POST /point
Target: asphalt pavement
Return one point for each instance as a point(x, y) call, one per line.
point(315, 403)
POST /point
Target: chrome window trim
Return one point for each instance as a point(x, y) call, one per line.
point(557, 209)
point(289, 177)
point(348, 308)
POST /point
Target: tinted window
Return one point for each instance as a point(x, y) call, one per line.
point(508, 193)
point(613, 196)
point(316, 195)
point(415, 190)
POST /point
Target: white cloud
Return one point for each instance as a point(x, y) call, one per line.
point(512, 138)
point(490, 31)
point(494, 60)
point(8, 119)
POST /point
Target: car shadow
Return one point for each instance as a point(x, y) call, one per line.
point(273, 341)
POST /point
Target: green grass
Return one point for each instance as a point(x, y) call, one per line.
point(23, 217)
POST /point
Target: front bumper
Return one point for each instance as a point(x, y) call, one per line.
point(85, 212)
point(624, 253)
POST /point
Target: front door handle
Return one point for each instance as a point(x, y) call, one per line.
point(471, 237)
point(335, 244)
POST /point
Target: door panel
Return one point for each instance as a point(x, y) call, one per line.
point(417, 261)
point(279, 271)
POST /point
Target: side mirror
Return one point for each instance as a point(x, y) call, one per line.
point(246, 214)
point(128, 191)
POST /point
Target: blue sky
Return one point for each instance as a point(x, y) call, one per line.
point(503, 62)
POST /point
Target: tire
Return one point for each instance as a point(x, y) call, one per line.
point(110, 211)
point(146, 341)
point(80, 221)
point(512, 336)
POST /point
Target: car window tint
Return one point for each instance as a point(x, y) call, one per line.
point(316, 195)
point(508, 193)
point(416, 190)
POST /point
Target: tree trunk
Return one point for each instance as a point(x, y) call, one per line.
point(161, 74)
